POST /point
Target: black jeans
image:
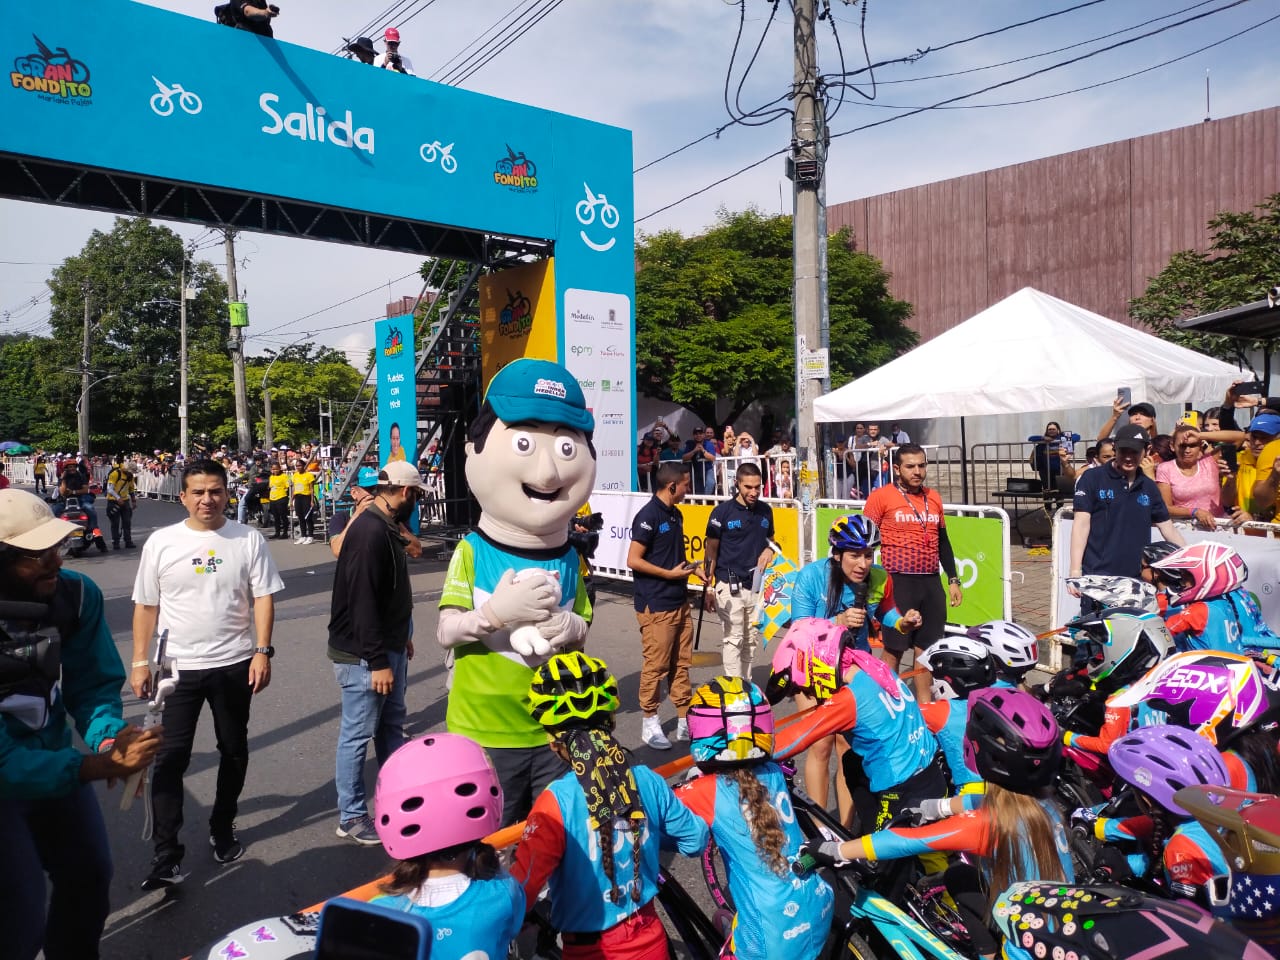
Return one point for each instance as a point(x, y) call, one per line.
point(304, 508)
point(280, 515)
point(120, 513)
point(228, 693)
point(524, 772)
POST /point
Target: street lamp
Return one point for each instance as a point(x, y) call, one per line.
point(187, 293)
point(267, 436)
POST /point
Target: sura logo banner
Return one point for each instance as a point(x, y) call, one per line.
point(516, 172)
point(314, 123)
point(52, 75)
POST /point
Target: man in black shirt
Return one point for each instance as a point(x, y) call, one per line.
point(657, 558)
point(370, 619)
point(738, 535)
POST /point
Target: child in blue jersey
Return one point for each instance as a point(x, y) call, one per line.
point(1159, 761)
point(744, 799)
point(851, 590)
point(960, 666)
point(1208, 608)
point(437, 797)
point(863, 701)
point(1013, 743)
point(594, 834)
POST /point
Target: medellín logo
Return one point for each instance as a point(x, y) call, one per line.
point(313, 123)
point(517, 172)
point(516, 317)
point(53, 75)
point(393, 343)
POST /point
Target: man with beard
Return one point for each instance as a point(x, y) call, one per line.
point(60, 664)
point(370, 622)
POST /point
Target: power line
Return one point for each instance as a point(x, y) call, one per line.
point(464, 51)
point(500, 45)
point(1046, 53)
point(1093, 86)
point(950, 100)
point(332, 306)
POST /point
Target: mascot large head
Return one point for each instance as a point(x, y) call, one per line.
point(530, 460)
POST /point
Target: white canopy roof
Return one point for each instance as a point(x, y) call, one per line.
point(1026, 353)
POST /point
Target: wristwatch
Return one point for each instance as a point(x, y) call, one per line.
point(956, 580)
point(267, 652)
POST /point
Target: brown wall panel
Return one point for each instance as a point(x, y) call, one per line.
point(1089, 226)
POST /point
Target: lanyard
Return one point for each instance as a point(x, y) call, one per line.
point(923, 521)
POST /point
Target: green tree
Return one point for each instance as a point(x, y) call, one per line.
point(1241, 263)
point(131, 277)
point(25, 365)
point(713, 313)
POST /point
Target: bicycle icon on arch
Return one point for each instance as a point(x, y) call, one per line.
point(430, 151)
point(585, 210)
point(162, 102)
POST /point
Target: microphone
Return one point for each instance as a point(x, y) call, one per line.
point(860, 591)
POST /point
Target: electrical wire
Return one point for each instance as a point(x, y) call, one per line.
point(1046, 53)
point(497, 24)
point(501, 44)
point(742, 117)
point(332, 306)
point(1042, 70)
point(1093, 86)
point(949, 100)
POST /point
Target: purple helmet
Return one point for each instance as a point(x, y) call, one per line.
point(1163, 759)
point(1012, 740)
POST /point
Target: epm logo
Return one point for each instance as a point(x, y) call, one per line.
point(54, 74)
point(516, 317)
point(516, 172)
point(393, 343)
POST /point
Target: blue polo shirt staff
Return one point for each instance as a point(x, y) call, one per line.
point(1116, 505)
point(657, 559)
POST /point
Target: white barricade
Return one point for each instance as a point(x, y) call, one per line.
point(20, 470)
point(1255, 541)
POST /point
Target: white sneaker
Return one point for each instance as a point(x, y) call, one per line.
point(682, 728)
point(651, 734)
point(308, 540)
point(297, 541)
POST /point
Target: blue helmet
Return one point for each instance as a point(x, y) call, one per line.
point(854, 532)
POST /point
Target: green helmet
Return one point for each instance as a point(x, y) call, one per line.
point(573, 690)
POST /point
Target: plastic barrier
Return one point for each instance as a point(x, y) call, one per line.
point(1255, 541)
point(20, 470)
point(980, 538)
point(620, 509)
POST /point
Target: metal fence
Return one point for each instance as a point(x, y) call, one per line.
point(862, 470)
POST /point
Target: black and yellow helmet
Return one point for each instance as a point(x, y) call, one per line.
point(573, 690)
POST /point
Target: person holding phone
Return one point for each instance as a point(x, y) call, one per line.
point(1142, 414)
point(661, 568)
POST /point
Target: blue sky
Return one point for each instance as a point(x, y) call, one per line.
point(658, 68)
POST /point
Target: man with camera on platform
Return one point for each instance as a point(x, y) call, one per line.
point(253, 17)
point(393, 59)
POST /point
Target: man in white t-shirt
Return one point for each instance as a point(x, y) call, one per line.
point(209, 581)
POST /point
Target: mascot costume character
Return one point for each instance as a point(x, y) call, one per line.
point(514, 594)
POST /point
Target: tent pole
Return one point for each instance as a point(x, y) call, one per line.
point(964, 464)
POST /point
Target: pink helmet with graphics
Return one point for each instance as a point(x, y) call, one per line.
point(806, 660)
point(1201, 571)
point(436, 792)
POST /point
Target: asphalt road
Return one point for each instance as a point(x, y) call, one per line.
point(287, 811)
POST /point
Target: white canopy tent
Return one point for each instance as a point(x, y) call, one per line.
point(1028, 352)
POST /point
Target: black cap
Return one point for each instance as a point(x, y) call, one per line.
point(1131, 437)
point(1146, 409)
point(362, 44)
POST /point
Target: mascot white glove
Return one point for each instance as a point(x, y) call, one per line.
point(529, 598)
point(563, 629)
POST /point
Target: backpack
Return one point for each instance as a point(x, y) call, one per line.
point(226, 13)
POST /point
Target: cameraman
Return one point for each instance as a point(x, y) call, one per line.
point(392, 59)
point(1051, 459)
point(255, 19)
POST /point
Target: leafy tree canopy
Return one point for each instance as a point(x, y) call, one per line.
point(713, 313)
point(1242, 262)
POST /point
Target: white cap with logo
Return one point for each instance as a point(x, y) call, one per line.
point(27, 523)
point(399, 473)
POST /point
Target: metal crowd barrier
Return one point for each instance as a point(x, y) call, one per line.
point(875, 465)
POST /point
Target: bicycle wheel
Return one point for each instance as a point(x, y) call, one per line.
point(697, 932)
point(855, 948)
point(714, 875)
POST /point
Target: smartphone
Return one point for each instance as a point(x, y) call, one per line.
point(1191, 417)
point(1125, 394)
point(1252, 388)
point(354, 930)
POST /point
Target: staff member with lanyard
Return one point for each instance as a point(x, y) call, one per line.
point(913, 544)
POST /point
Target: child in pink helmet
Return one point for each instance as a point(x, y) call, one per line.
point(437, 798)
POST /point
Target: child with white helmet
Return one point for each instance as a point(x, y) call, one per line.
point(437, 798)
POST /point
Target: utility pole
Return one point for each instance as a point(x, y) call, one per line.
point(806, 168)
point(85, 381)
point(244, 439)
